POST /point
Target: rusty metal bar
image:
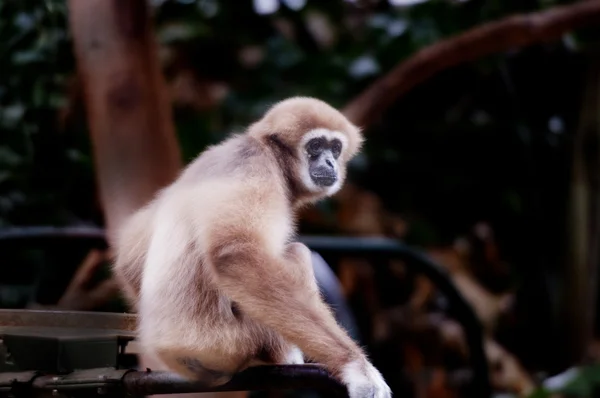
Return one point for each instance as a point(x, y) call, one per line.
point(124, 323)
point(47, 235)
point(106, 381)
point(101, 381)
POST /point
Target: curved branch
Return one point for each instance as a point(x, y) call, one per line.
point(512, 32)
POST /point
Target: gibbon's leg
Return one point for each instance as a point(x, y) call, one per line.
point(277, 351)
point(293, 355)
point(282, 294)
point(194, 333)
point(284, 352)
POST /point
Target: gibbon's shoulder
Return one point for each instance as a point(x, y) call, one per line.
point(237, 156)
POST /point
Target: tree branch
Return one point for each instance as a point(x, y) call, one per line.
point(509, 33)
point(79, 296)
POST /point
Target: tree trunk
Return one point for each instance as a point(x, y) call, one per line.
point(134, 142)
point(129, 116)
point(584, 225)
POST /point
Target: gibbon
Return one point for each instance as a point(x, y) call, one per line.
point(210, 266)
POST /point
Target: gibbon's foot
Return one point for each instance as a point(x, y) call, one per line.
point(363, 380)
point(294, 356)
point(204, 374)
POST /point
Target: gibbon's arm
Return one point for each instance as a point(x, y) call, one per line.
point(282, 294)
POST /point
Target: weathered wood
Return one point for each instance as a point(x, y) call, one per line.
point(123, 323)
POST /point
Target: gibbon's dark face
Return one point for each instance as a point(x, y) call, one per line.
point(323, 153)
point(322, 165)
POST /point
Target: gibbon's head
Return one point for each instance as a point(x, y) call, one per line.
point(313, 143)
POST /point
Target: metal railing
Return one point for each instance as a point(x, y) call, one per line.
point(110, 382)
point(288, 376)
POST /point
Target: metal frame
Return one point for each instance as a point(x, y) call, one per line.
point(105, 382)
point(289, 376)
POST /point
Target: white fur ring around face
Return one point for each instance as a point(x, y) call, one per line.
point(363, 380)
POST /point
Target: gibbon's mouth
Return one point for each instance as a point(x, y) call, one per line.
point(326, 179)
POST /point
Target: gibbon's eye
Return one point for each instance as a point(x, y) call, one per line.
point(315, 146)
point(336, 148)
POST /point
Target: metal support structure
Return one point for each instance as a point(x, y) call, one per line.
point(274, 377)
point(419, 262)
point(340, 246)
point(103, 382)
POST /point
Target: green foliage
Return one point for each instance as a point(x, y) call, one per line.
point(575, 382)
point(333, 53)
point(439, 143)
point(38, 159)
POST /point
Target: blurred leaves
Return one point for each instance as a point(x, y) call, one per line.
point(35, 65)
point(226, 64)
point(574, 382)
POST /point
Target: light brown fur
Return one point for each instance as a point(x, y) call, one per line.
point(210, 265)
